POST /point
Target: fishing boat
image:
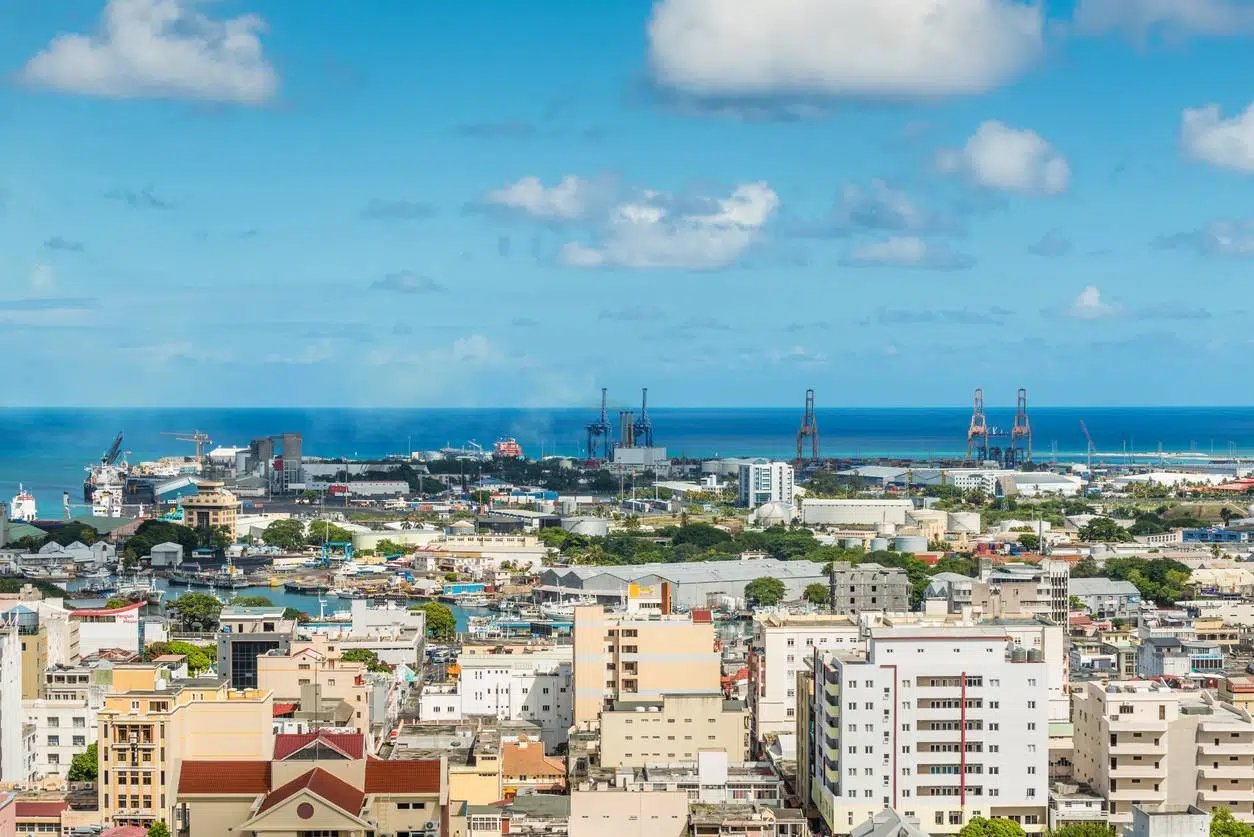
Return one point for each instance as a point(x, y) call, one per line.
point(306, 586)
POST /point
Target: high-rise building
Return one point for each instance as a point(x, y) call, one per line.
point(244, 634)
point(150, 724)
point(13, 758)
point(942, 725)
point(637, 656)
point(212, 506)
point(65, 719)
point(763, 481)
point(1142, 743)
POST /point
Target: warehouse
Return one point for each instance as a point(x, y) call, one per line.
point(854, 512)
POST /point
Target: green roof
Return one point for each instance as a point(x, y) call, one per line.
point(17, 531)
point(103, 525)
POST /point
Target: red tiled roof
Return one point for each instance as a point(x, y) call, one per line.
point(351, 744)
point(225, 777)
point(32, 808)
point(701, 614)
point(404, 776)
point(528, 759)
point(126, 831)
point(170, 658)
point(322, 784)
point(284, 709)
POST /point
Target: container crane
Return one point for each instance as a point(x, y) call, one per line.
point(196, 437)
point(977, 431)
point(599, 431)
point(643, 430)
point(1092, 448)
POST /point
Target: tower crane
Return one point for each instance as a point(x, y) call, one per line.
point(197, 438)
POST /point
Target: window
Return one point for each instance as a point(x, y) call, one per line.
point(54, 740)
point(80, 722)
point(54, 722)
point(80, 741)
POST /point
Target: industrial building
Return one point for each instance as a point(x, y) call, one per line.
point(815, 512)
point(691, 585)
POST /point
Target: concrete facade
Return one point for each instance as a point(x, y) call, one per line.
point(675, 729)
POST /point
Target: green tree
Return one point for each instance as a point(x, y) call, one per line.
point(197, 659)
point(764, 591)
point(365, 655)
point(288, 534)
point(75, 530)
point(387, 547)
point(252, 601)
point(816, 593)
point(324, 531)
point(1084, 829)
point(159, 829)
point(440, 621)
point(84, 767)
point(116, 602)
point(196, 611)
point(1223, 824)
point(1029, 541)
point(701, 535)
point(1104, 530)
point(293, 613)
point(995, 827)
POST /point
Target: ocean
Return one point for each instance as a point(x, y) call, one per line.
point(47, 449)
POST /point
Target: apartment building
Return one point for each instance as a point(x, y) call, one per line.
point(13, 755)
point(535, 686)
point(244, 634)
point(762, 481)
point(944, 726)
point(674, 729)
point(33, 643)
point(316, 785)
point(1037, 589)
point(311, 676)
point(631, 656)
point(1186, 659)
point(150, 725)
point(65, 718)
point(782, 644)
point(1141, 743)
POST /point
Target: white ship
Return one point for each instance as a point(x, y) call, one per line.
point(23, 506)
point(109, 472)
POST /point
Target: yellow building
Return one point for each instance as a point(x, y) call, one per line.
point(150, 725)
point(210, 507)
point(316, 784)
point(676, 728)
point(312, 671)
point(640, 656)
point(34, 660)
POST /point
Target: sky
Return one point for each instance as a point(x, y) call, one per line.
point(494, 203)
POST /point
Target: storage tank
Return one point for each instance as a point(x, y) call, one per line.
point(592, 527)
point(852, 543)
point(886, 528)
point(1036, 655)
point(910, 543)
point(964, 522)
point(1019, 654)
point(879, 544)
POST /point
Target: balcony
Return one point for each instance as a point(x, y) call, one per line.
point(1138, 747)
point(1232, 793)
point(1230, 770)
point(1224, 747)
point(1139, 793)
point(1141, 770)
point(1130, 724)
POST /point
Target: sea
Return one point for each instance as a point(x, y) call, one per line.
point(46, 450)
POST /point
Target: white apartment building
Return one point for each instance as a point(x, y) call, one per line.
point(1140, 743)
point(783, 645)
point(63, 729)
point(944, 726)
point(537, 686)
point(762, 481)
point(13, 755)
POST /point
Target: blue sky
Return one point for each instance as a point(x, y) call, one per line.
point(262, 202)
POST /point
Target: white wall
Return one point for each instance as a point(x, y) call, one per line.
point(63, 729)
point(12, 749)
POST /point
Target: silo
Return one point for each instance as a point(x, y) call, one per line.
point(879, 544)
point(852, 543)
point(964, 522)
point(910, 543)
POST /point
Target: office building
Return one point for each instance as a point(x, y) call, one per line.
point(320, 684)
point(1017, 589)
point(1187, 659)
point(631, 657)
point(763, 481)
point(211, 507)
point(244, 634)
point(151, 724)
point(942, 725)
point(1142, 743)
point(674, 729)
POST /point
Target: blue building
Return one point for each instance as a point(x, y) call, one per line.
point(1217, 535)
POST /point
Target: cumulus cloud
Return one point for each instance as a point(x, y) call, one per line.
point(852, 48)
point(656, 231)
point(1008, 159)
point(1051, 245)
point(1089, 305)
point(1205, 136)
point(1139, 19)
point(907, 251)
point(879, 206)
point(160, 49)
point(1218, 238)
point(571, 199)
point(404, 282)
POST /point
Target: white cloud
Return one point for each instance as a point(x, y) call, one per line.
point(160, 49)
point(41, 278)
point(1207, 137)
point(907, 251)
point(572, 199)
point(653, 232)
point(1089, 305)
point(887, 208)
point(856, 48)
point(1173, 18)
point(1218, 238)
point(1008, 159)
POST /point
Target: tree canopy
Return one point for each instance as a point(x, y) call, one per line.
point(324, 531)
point(764, 591)
point(74, 530)
point(1160, 580)
point(1104, 530)
point(365, 655)
point(196, 611)
point(1223, 824)
point(84, 766)
point(252, 601)
point(816, 594)
point(117, 601)
point(288, 534)
point(994, 827)
point(159, 829)
point(440, 621)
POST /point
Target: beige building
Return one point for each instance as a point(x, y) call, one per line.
point(317, 784)
point(210, 507)
point(621, 813)
point(151, 724)
point(1141, 743)
point(673, 729)
point(34, 660)
point(312, 674)
point(1226, 636)
point(640, 657)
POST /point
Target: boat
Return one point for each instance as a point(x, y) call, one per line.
point(564, 609)
point(22, 508)
point(306, 586)
point(102, 572)
point(507, 448)
point(109, 472)
point(472, 600)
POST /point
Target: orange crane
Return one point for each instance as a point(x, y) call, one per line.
point(197, 438)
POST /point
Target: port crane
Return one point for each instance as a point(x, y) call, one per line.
point(1092, 448)
point(599, 431)
point(110, 457)
point(196, 437)
point(642, 431)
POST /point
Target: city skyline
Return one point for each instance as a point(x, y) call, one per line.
point(241, 203)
